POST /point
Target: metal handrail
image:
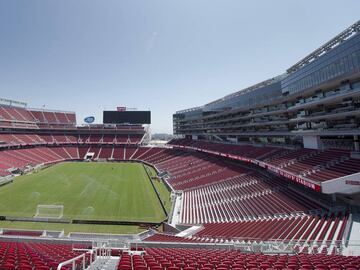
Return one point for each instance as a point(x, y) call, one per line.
point(103, 251)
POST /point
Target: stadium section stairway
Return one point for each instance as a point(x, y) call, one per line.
point(105, 264)
point(242, 198)
point(321, 232)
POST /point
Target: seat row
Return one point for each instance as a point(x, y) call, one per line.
point(241, 198)
point(302, 228)
point(26, 139)
point(211, 259)
point(19, 114)
point(316, 165)
point(22, 158)
point(35, 256)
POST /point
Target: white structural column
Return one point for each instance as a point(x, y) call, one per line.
point(312, 142)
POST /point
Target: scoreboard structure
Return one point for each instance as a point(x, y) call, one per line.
point(127, 117)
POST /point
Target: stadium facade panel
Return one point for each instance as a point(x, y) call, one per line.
point(315, 104)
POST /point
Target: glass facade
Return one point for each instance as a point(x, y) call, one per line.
point(340, 61)
point(250, 99)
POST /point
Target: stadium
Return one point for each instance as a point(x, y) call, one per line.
point(267, 177)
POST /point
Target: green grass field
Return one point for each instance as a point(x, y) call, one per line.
point(110, 229)
point(93, 191)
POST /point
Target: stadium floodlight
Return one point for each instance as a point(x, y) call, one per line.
point(49, 211)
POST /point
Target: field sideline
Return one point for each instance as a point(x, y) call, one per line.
point(96, 191)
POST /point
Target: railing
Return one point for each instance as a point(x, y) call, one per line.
point(268, 247)
point(73, 261)
point(335, 247)
point(347, 229)
point(139, 245)
point(274, 246)
point(103, 252)
point(352, 248)
point(174, 197)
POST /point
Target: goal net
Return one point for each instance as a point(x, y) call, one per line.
point(49, 211)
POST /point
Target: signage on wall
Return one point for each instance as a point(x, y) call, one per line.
point(89, 119)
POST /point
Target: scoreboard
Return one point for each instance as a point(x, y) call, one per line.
point(127, 117)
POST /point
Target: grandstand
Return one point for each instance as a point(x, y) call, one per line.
point(264, 178)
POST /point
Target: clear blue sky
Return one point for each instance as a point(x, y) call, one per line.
point(164, 55)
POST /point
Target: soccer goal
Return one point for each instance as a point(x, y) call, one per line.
point(49, 211)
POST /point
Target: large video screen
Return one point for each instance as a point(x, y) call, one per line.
point(127, 117)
